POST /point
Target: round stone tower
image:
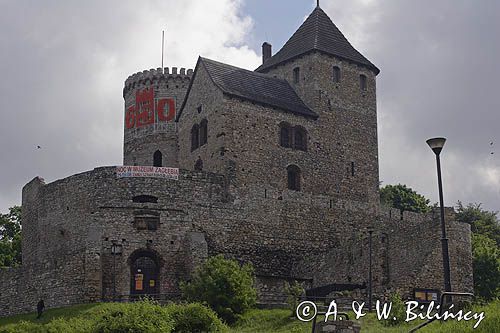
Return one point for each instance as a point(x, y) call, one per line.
point(152, 99)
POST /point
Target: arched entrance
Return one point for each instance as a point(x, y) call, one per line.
point(144, 273)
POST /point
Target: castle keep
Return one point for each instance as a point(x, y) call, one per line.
point(277, 167)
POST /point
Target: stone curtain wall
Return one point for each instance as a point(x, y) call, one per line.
point(286, 235)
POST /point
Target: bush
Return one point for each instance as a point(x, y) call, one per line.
point(293, 291)
point(194, 318)
point(140, 317)
point(224, 285)
point(398, 311)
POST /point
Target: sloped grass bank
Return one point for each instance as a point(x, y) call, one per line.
point(144, 317)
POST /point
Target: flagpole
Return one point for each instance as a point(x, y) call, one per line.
point(162, 49)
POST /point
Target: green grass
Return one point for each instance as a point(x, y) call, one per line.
point(279, 321)
point(68, 312)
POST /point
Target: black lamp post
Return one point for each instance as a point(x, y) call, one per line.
point(116, 249)
point(436, 145)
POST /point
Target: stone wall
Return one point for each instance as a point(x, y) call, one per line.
point(70, 225)
point(346, 130)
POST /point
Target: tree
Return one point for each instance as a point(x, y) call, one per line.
point(486, 265)
point(485, 229)
point(404, 198)
point(10, 237)
point(482, 222)
point(224, 285)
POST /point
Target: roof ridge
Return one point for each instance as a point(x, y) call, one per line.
point(269, 76)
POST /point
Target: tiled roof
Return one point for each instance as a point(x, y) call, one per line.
point(317, 33)
point(256, 87)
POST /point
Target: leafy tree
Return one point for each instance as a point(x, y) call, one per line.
point(486, 264)
point(10, 237)
point(224, 285)
point(485, 248)
point(482, 222)
point(404, 198)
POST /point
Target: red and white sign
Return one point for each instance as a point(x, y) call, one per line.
point(147, 171)
point(148, 110)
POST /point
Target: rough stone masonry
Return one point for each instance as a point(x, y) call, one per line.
point(277, 167)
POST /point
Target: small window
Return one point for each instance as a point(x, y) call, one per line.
point(203, 132)
point(362, 82)
point(352, 169)
point(293, 172)
point(146, 222)
point(198, 166)
point(199, 108)
point(157, 159)
point(285, 135)
point(336, 74)
point(296, 75)
point(145, 198)
point(300, 139)
point(195, 141)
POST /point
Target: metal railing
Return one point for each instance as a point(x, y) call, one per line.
point(443, 295)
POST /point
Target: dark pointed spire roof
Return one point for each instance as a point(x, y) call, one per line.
point(317, 33)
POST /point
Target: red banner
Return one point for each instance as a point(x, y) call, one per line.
point(147, 110)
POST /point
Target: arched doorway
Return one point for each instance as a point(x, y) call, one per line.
point(144, 273)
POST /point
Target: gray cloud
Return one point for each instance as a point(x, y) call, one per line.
point(65, 63)
point(64, 69)
point(440, 70)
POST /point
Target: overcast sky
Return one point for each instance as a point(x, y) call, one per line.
point(63, 64)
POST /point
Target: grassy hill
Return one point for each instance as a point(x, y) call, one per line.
point(264, 321)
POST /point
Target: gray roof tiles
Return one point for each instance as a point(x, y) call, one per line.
point(256, 87)
point(317, 33)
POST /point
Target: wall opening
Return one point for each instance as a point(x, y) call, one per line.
point(336, 74)
point(293, 173)
point(158, 159)
point(144, 273)
point(296, 75)
point(362, 82)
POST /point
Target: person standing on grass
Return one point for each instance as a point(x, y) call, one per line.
point(39, 308)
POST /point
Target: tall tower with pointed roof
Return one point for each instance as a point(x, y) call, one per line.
point(339, 84)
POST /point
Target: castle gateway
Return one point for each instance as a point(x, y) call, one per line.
point(277, 167)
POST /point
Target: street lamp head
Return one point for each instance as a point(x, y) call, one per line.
point(436, 144)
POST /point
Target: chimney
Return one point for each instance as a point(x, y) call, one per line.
point(266, 51)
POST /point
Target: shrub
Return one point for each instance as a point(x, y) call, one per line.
point(398, 311)
point(194, 318)
point(224, 285)
point(140, 317)
point(293, 291)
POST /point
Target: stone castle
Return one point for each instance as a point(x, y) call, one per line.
point(277, 167)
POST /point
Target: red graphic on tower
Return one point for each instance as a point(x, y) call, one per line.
point(148, 110)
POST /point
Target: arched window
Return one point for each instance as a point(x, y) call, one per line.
point(293, 173)
point(157, 159)
point(296, 75)
point(198, 166)
point(362, 82)
point(203, 132)
point(300, 138)
point(285, 135)
point(336, 74)
point(195, 140)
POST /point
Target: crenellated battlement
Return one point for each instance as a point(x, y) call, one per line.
point(153, 76)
